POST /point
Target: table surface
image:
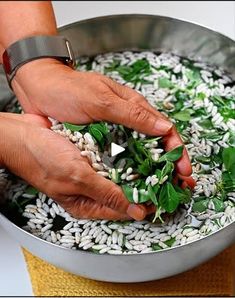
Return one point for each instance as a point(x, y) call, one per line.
point(14, 278)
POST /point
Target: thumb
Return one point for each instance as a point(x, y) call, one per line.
point(109, 194)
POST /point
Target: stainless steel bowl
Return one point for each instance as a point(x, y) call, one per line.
point(139, 32)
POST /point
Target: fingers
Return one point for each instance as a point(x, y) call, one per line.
point(172, 140)
point(84, 207)
point(134, 116)
point(183, 165)
point(131, 113)
point(107, 193)
point(144, 123)
point(187, 181)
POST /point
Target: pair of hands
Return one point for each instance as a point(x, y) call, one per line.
point(49, 162)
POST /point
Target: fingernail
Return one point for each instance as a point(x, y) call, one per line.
point(163, 126)
point(136, 212)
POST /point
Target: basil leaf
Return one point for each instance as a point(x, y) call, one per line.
point(219, 205)
point(228, 156)
point(200, 206)
point(206, 124)
point(203, 159)
point(232, 139)
point(165, 83)
point(184, 194)
point(97, 135)
point(143, 197)
point(132, 148)
point(101, 126)
point(167, 169)
point(218, 99)
point(145, 168)
point(135, 72)
point(228, 181)
point(172, 155)
point(128, 191)
point(156, 247)
point(115, 176)
point(170, 242)
point(168, 197)
point(152, 195)
point(158, 173)
point(31, 191)
point(182, 115)
point(73, 127)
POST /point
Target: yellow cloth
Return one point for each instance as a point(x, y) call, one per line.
point(214, 278)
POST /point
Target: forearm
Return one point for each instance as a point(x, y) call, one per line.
point(21, 19)
point(10, 138)
point(3, 136)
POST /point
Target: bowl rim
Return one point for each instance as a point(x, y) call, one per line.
point(164, 250)
point(140, 15)
point(113, 16)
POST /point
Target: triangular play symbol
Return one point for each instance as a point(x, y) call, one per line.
point(116, 149)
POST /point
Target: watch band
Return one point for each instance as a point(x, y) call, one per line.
point(33, 48)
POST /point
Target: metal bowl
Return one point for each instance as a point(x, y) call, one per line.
point(138, 32)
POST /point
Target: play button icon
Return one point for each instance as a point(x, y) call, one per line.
point(110, 154)
point(116, 149)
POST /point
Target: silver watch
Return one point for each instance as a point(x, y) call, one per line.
point(33, 48)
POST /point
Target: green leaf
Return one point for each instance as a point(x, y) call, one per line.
point(232, 139)
point(152, 194)
point(156, 247)
point(206, 123)
point(182, 115)
point(158, 173)
point(200, 206)
point(167, 169)
point(228, 156)
point(31, 191)
point(145, 167)
point(228, 182)
point(73, 127)
point(143, 197)
point(168, 197)
point(219, 100)
point(203, 159)
point(201, 96)
point(97, 135)
point(172, 155)
point(101, 126)
point(128, 191)
point(185, 195)
point(219, 204)
point(212, 136)
point(115, 176)
point(227, 113)
point(170, 242)
point(165, 83)
point(135, 72)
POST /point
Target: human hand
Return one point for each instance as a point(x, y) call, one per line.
point(47, 87)
point(53, 165)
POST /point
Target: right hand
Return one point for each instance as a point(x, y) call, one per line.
point(49, 88)
point(53, 165)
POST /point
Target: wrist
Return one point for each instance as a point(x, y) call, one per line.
point(43, 48)
point(34, 69)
